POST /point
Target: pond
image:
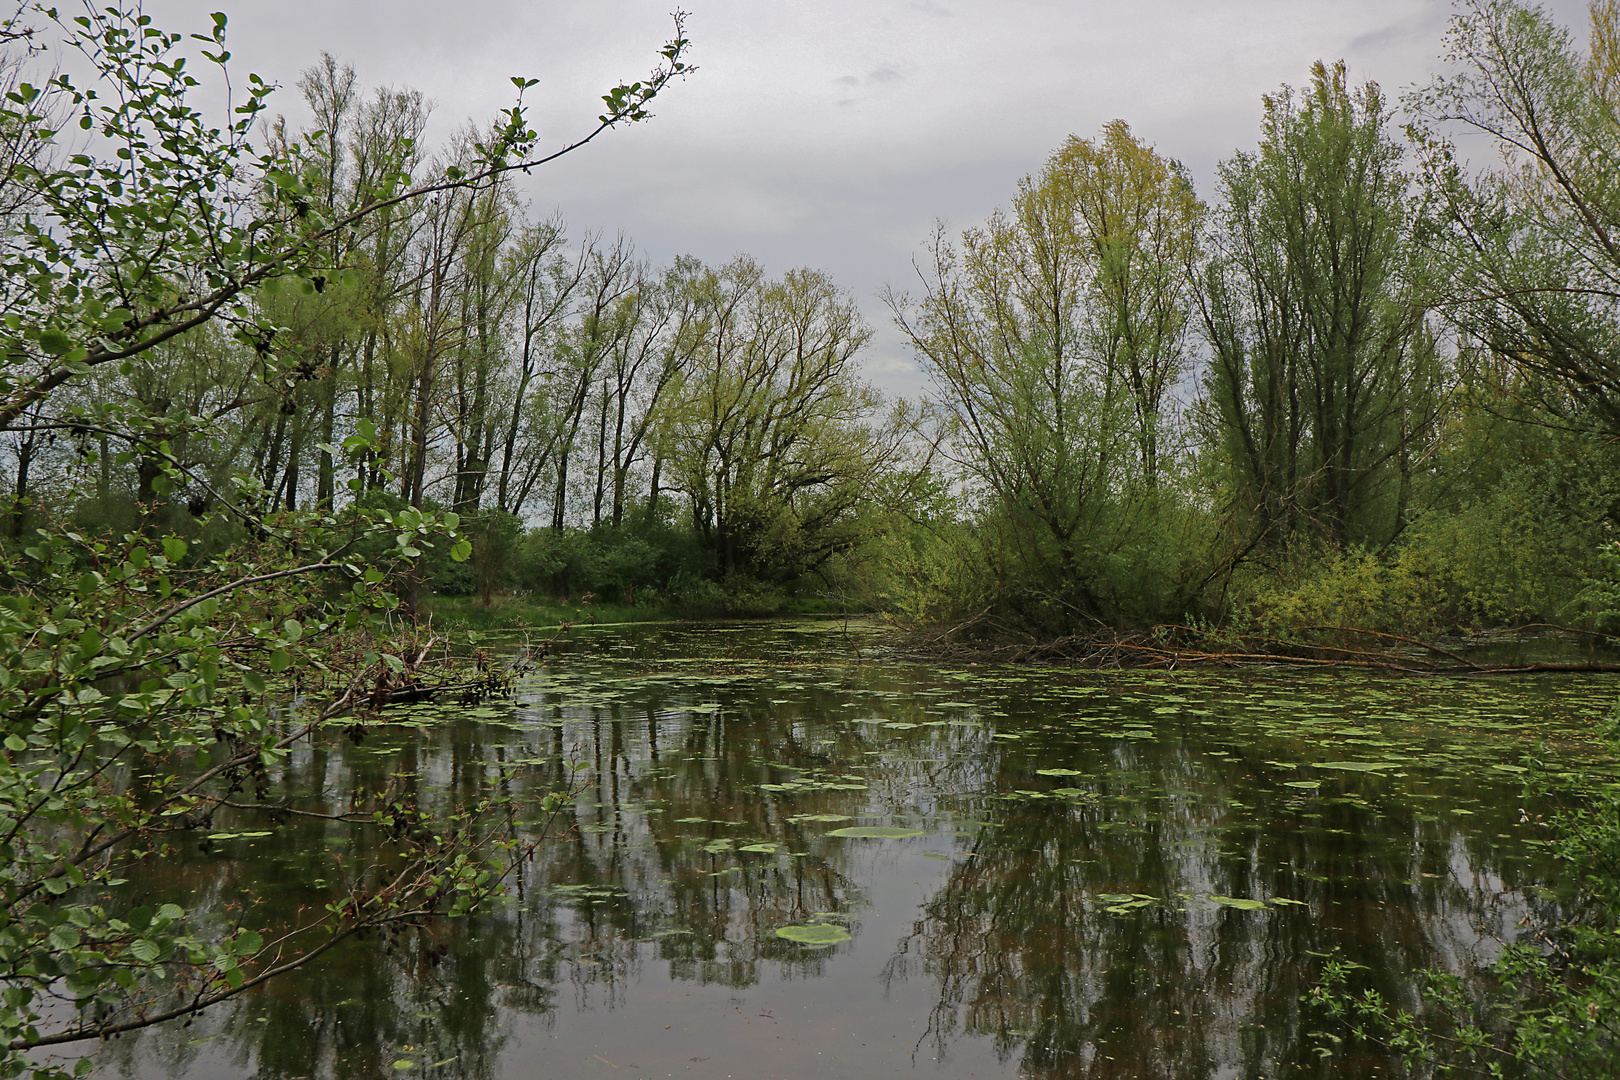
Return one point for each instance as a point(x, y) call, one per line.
point(801, 856)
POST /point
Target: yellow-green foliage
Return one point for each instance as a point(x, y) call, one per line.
point(1508, 527)
point(935, 575)
point(1506, 561)
point(1351, 588)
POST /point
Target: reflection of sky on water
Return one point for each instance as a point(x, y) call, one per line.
point(645, 941)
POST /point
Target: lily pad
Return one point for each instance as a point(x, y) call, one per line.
point(1355, 766)
point(1239, 902)
point(814, 934)
point(1312, 784)
point(767, 848)
point(876, 832)
point(1059, 772)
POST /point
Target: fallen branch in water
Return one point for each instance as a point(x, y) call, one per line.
point(1171, 646)
point(424, 675)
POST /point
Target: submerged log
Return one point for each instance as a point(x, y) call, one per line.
point(1174, 646)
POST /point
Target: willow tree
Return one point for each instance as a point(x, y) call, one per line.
point(1053, 335)
point(772, 436)
point(1322, 383)
point(1530, 249)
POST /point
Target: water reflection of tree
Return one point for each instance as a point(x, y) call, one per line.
point(427, 994)
point(1022, 950)
point(722, 906)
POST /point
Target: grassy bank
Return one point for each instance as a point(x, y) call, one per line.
point(522, 612)
point(525, 612)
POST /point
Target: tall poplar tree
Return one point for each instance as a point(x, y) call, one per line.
point(1322, 380)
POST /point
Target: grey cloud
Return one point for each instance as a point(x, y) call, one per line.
point(1420, 29)
point(763, 151)
point(887, 75)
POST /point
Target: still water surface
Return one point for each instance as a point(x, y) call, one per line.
point(1089, 875)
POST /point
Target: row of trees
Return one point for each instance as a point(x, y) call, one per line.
point(502, 371)
point(1144, 407)
point(1332, 395)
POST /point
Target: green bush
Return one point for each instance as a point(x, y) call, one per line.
point(615, 564)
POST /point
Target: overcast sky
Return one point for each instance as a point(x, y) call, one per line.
point(833, 134)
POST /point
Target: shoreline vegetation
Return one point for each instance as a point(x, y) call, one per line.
point(1532, 649)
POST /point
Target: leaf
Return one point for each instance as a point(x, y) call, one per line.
point(814, 934)
point(1059, 772)
point(1355, 766)
point(876, 832)
point(55, 343)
